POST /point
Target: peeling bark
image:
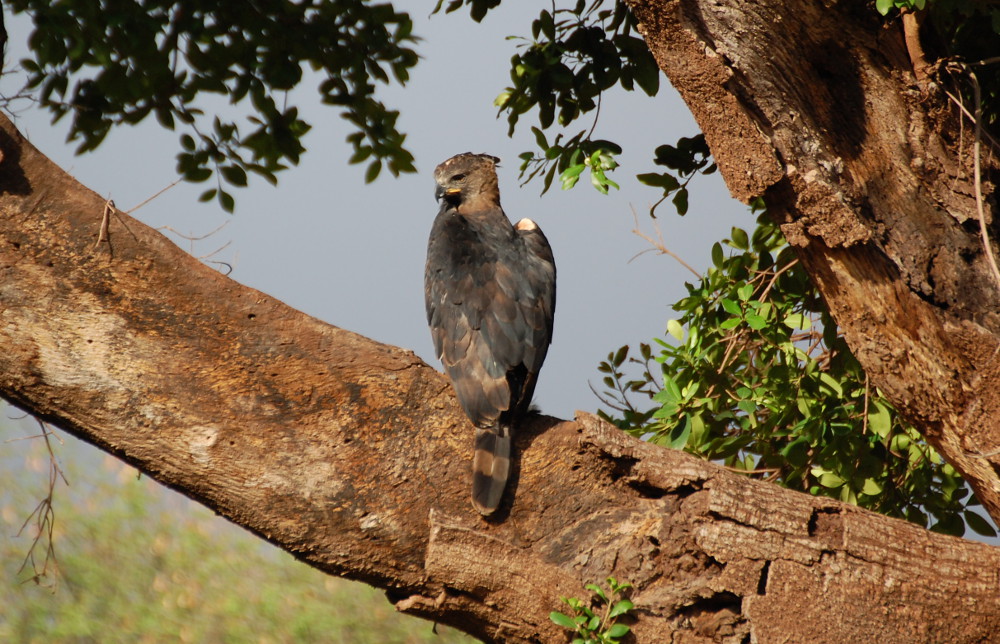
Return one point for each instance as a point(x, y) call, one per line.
point(354, 457)
point(865, 163)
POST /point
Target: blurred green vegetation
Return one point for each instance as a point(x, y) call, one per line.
point(140, 563)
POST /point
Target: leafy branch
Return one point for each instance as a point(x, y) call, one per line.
point(755, 375)
point(596, 626)
point(118, 62)
point(572, 57)
point(686, 159)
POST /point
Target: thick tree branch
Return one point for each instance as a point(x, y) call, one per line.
point(354, 456)
point(816, 107)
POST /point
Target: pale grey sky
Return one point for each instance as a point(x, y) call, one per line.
point(352, 254)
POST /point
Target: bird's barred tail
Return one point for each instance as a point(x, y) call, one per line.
point(490, 467)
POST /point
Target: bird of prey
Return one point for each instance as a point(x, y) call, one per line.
point(490, 292)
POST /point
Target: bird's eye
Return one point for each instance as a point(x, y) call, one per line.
point(458, 177)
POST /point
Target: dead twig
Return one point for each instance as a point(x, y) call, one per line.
point(658, 245)
point(864, 423)
point(977, 176)
point(102, 235)
point(977, 160)
point(134, 208)
point(43, 518)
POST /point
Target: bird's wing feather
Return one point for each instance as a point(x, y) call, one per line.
point(489, 305)
point(539, 305)
point(463, 310)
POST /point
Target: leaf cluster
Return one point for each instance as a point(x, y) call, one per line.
point(589, 623)
point(119, 61)
point(570, 157)
point(572, 56)
point(758, 378)
point(689, 157)
point(477, 8)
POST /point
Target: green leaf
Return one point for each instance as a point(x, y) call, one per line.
point(797, 321)
point(670, 388)
point(899, 443)
point(234, 175)
point(663, 180)
point(679, 435)
point(616, 586)
point(697, 437)
point(618, 630)
point(621, 607)
point(949, 524)
point(830, 480)
point(571, 175)
point(598, 180)
point(797, 452)
point(871, 487)
point(197, 175)
point(680, 201)
point(565, 621)
point(374, 168)
point(226, 201)
point(717, 255)
point(879, 419)
point(831, 382)
point(540, 139)
point(675, 329)
point(597, 590)
point(731, 307)
point(913, 515)
point(739, 238)
point(978, 524)
point(361, 154)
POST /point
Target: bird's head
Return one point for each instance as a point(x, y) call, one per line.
point(466, 176)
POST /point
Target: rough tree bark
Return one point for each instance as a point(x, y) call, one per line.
point(354, 456)
point(816, 106)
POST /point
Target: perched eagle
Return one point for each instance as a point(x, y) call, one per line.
point(490, 291)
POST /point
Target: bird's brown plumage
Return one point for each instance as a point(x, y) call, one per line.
point(490, 297)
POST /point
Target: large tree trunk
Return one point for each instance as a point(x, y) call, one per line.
point(355, 457)
point(816, 107)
